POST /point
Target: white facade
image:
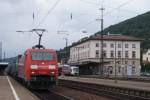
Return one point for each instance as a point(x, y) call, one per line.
point(0, 51)
point(146, 56)
point(122, 55)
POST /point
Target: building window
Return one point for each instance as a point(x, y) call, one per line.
point(82, 47)
point(104, 45)
point(133, 46)
point(112, 54)
point(119, 69)
point(126, 69)
point(133, 54)
point(73, 57)
point(133, 62)
point(97, 53)
point(126, 54)
point(112, 45)
point(126, 46)
point(133, 69)
point(110, 69)
point(104, 54)
point(88, 54)
point(85, 54)
point(97, 44)
point(126, 62)
point(119, 54)
point(118, 62)
point(119, 45)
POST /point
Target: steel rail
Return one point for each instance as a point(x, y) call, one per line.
point(50, 95)
point(117, 93)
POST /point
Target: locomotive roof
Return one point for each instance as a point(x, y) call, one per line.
point(50, 50)
point(4, 63)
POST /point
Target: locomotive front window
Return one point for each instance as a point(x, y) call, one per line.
point(41, 56)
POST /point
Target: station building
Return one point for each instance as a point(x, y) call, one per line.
point(146, 56)
point(121, 55)
point(0, 51)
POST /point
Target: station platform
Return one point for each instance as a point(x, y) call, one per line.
point(12, 90)
point(108, 82)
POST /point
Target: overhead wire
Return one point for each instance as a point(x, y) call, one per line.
point(91, 21)
point(49, 11)
point(60, 26)
point(89, 2)
point(113, 9)
point(96, 4)
point(123, 4)
point(36, 14)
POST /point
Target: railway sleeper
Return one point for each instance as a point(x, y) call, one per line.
point(117, 91)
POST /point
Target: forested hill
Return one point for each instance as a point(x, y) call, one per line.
point(138, 26)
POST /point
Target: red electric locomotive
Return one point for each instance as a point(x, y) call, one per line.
point(38, 68)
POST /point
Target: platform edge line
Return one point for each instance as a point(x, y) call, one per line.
point(13, 90)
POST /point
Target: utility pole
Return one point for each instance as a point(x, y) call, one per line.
point(115, 65)
point(102, 9)
point(101, 37)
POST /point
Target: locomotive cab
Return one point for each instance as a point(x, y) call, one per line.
point(39, 67)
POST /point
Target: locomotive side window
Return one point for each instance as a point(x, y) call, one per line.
point(41, 56)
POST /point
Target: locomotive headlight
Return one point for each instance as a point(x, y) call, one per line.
point(51, 67)
point(34, 67)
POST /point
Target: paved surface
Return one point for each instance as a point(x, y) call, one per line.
point(120, 83)
point(19, 92)
point(5, 90)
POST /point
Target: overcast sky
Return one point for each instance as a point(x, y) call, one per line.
point(55, 15)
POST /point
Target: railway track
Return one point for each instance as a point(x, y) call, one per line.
point(116, 93)
point(45, 94)
point(49, 95)
point(138, 79)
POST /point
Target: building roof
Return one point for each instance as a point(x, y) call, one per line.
point(109, 37)
point(115, 38)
